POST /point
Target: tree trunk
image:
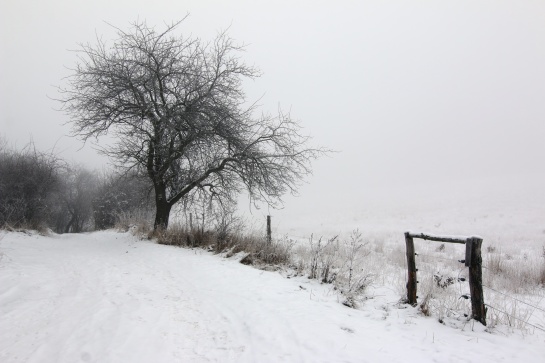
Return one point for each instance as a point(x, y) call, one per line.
point(162, 211)
point(161, 215)
point(67, 228)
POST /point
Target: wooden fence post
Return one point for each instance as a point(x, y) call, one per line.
point(478, 309)
point(269, 237)
point(411, 266)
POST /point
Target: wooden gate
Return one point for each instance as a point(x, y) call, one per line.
point(473, 260)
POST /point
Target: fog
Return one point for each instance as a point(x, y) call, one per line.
point(429, 105)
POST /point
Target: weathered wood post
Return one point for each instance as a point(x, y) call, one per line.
point(411, 266)
point(202, 227)
point(188, 237)
point(478, 308)
point(269, 237)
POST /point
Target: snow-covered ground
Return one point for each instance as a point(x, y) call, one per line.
point(108, 297)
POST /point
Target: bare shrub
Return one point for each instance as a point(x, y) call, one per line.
point(353, 276)
point(321, 257)
point(227, 226)
point(121, 201)
point(425, 305)
point(355, 253)
point(443, 281)
point(328, 261)
point(29, 180)
point(342, 263)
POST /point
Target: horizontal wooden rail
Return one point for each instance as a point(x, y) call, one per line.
point(429, 237)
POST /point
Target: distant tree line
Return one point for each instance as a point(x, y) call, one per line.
point(40, 190)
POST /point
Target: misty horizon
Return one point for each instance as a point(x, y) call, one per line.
point(428, 105)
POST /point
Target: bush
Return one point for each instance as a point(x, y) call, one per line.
point(39, 190)
point(122, 201)
point(342, 263)
point(29, 183)
point(353, 276)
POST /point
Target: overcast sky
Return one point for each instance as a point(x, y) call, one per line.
point(411, 93)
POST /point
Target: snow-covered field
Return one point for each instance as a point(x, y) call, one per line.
point(108, 297)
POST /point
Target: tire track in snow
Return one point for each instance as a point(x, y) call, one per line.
point(228, 295)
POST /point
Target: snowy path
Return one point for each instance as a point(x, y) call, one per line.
point(104, 297)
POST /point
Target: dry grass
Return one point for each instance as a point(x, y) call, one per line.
point(138, 222)
point(494, 263)
point(41, 228)
point(260, 252)
point(257, 250)
point(178, 235)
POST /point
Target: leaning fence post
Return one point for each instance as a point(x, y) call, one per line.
point(478, 309)
point(269, 238)
point(411, 266)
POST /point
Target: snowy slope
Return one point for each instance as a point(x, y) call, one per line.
point(106, 297)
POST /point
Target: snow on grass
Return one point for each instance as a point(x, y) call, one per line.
point(106, 297)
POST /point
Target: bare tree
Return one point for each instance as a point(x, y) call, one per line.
point(177, 109)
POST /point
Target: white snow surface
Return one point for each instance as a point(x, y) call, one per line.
point(108, 297)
